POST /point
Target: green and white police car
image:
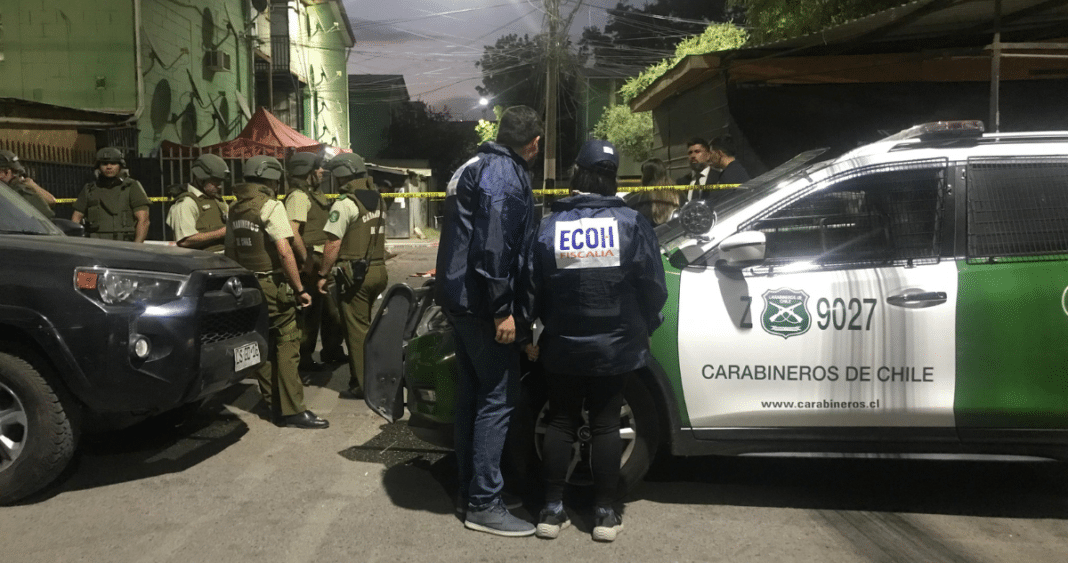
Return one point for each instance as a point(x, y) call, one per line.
point(908, 296)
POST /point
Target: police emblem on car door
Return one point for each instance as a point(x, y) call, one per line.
point(832, 328)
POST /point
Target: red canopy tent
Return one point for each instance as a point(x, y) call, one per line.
point(264, 134)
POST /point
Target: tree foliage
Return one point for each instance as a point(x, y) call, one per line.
point(716, 37)
point(417, 131)
point(634, 38)
point(514, 72)
point(487, 130)
point(631, 133)
point(770, 20)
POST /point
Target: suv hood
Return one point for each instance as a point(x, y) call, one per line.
point(113, 254)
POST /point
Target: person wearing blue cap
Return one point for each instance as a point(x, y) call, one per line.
point(597, 285)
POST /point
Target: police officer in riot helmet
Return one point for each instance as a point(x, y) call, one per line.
point(13, 173)
point(258, 235)
point(308, 209)
point(198, 214)
point(114, 206)
point(597, 284)
point(356, 242)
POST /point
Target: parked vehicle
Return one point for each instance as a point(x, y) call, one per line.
point(909, 296)
point(99, 334)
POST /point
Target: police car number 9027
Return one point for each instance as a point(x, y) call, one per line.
point(856, 314)
point(837, 313)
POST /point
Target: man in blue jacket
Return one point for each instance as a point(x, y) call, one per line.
point(597, 281)
point(481, 275)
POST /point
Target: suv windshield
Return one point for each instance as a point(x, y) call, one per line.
point(670, 234)
point(18, 217)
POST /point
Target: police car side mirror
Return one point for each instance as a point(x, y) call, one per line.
point(743, 249)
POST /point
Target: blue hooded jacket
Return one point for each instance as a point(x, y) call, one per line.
point(488, 229)
point(597, 284)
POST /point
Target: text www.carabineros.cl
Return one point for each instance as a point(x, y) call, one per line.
point(819, 404)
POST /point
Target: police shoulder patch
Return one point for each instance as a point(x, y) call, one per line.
point(334, 216)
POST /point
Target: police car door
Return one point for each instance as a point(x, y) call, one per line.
point(848, 322)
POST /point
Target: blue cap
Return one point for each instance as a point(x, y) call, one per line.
point(598, 156)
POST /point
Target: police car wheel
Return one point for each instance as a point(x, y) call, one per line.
point(37, 435)
point(639, 430)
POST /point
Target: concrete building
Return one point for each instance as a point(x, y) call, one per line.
point(185, 72)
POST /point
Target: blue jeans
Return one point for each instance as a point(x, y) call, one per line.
point(488, 388)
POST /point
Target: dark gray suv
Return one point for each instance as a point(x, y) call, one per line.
point(100, 335)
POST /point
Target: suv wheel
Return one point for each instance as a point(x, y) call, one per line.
point(639, 429)
point(37, 435)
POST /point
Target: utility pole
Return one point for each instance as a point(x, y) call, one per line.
point(555, 45)
point(552, 68)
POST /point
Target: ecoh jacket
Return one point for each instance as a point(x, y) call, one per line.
point(597, 284)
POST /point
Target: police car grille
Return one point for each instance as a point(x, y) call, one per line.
point(216, 327)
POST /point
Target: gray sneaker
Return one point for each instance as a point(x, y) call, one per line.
point(607, 524)
point(551, 522)
point(495, 519)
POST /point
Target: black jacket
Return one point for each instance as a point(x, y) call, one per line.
point(489, 225)
point(597, 284)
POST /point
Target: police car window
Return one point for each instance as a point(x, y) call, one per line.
point(871, 218)
point(1017, 207)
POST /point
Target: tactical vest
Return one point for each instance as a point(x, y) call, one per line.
point(247, 240)
point(369, 227)
point(318, 213)
point(108, 212)
point(35, 200)
point(211, 215)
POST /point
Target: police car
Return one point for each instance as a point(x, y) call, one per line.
point(908, 296)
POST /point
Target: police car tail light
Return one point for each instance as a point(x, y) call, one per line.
point(115, 287)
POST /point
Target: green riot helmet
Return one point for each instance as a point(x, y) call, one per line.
point(110, 155)
point(262, 167)
point(8, 159)
point(303, 163)
point(345, 165)
point(209, 166)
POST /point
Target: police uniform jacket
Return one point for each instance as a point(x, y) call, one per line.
point(484, 244)
point(109, 205)
point(31, 196)
point(597, 284)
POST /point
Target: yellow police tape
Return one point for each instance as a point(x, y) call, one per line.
point(441, 195)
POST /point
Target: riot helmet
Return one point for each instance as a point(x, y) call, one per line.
point(303, 163)
point(209, 166)
point(110, 155)
point(262, 167)
point(345, 165)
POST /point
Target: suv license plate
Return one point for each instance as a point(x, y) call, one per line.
point(246, 355)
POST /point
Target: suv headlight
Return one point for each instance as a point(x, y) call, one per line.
point(116, 287)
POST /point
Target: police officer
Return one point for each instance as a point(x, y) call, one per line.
point(198, 214)
point(308, 209)
point(597, 284)
point(356, 240)
point(13, 173)
point(114, 206)
point(258, 237)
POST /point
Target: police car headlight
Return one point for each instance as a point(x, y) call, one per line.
point(115, 287)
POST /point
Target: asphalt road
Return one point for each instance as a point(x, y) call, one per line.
point(231, 487)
